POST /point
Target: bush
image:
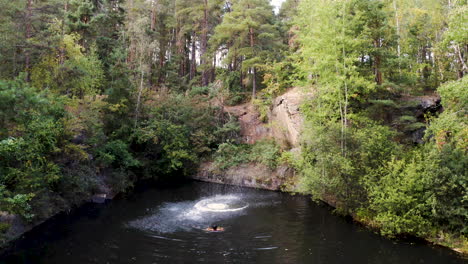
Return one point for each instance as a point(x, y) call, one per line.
point(4, 227)
point(231, 155)
point(199, 90)
point(116, 153)
point(266, 152)
point(235, 98)
point(401, 198)
point(231, 80)
point(18, 204)
point(176, 132)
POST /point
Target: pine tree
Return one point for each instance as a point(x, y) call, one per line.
point(249, 35)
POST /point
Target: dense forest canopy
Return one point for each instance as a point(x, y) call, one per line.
point(102, 93)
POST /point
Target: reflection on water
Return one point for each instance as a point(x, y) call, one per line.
point(167, 226)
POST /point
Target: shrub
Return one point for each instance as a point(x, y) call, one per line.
point(117, 153)
point(266, 152)
point(4, 227)
point(199, 90)
point(231, 155)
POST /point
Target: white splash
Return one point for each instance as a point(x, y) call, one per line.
point(222, 203)
point(187, 215)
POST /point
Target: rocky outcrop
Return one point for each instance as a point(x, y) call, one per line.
point(420, 107)
point(250, 175)
point(423, 104)
point(13, 226)
point(252, 128)
point(284, 119)
point(284, 126)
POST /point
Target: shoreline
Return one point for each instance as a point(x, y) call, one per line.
point(282, 184)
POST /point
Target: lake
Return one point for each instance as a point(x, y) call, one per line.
point(168, 225)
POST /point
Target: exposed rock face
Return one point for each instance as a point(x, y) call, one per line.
point(252, 128)
point(423, 105)
point(284, 119)
point(426, 103)
point(284, 126)
point(429, 102)
point(250, 175)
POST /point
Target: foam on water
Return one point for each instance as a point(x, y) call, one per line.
point(226, 203)
point(171, 217)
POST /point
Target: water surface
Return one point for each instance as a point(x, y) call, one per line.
point(167, 226)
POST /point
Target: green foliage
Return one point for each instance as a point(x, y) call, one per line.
point(230, 155)
point(169, 142)
point(407, 119)
point(454, 96)
point(401, 198)
point(251, 34)
point(199, 90)
point(414, 126)
point(176, 132)
point(4, 227)
point(78, 182)
point(16, 203)
point(265, 152)
point(27, 152)
point(451, 127)
point(78, 75)
point(263, 106)
point(328, 172)
point(120, 179)
point(232, 85)
point(355, 162)
point(229, 130)
point(136, 75)
point(424, 190)
point(231, 80)
point(116, 153)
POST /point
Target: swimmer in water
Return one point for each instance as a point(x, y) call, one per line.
point(215, 228)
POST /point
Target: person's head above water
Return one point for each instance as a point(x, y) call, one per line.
point(214, 227)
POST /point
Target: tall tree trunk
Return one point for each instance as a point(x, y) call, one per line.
point(62, 35)
point(462, 65)
point(254, 83)
point(213, 69)
point(187, 65)
point(377, 64)
point(162, 62)
point(140, 91)
point(241, 73)
point(344, 124)
point(234, 61)
point(193, 60)
point(204, 44)
point(180, 45)
point(153, 64)
point(254, 78)
point(131, 47)
point(163, 47)
point(28, 35)
point(397, 22)
point(153, 14)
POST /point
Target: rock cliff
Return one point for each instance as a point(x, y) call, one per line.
point(284, 126)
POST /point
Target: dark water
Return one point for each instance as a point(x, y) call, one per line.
point(164, 226)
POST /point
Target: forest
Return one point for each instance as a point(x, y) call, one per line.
point(106, 93)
